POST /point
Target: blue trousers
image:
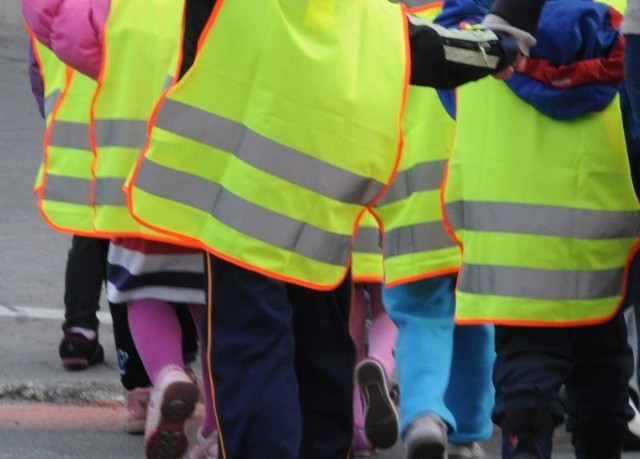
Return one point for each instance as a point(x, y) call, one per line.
point(632, 74)
point(282, 364)
point(593, 363)
point(443, 369)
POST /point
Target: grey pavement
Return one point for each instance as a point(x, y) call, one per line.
point(45, 411)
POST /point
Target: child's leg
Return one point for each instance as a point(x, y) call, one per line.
point(532, 363)
point(132, 371)
point(423, 313)
point(209, 423)
point(383, 332)
point(190, 333)
point(358, 333)
point(358, 326)
point(133, 375)
point(596, 392)
point(470, 393)
point(380, 418)
point(157, 334)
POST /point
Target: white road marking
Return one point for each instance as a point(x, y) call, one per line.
point(44, 313)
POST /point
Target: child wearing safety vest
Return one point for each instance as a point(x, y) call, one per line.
point(281, 356)
point(149, 280)
point(548, 220)
point(277, 238)
point(444, 369)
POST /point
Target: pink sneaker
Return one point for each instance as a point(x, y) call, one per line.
point(362, 447)
point(137, 402)
point(171, 403)
point(205, 448)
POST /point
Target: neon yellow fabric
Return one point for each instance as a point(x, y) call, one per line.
point(366, 263)
point(510, 158)
point(416, 244)
point(326, 95)
point(141, 44)
point(63, 183)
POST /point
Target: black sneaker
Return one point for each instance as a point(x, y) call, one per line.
point(77, 352)
point(380, 415)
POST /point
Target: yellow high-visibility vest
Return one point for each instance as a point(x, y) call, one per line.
point(63, 183)
point(286, 127)
point(545, 211)
point(366, 262)
point(416, 243)
point(141, 48)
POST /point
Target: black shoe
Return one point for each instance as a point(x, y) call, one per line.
point(77, 352)
point(630, 442)
point(380, 415)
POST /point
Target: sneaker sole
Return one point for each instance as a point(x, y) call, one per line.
point(380, 416)
point(169, 440)
point(75, 363)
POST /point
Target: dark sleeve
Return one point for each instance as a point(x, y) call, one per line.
point(522, 14)
point(197, 14)
point(35, 78)
point(445, 58)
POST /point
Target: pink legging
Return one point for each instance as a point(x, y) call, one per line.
point(380, 340)
point(157, 334)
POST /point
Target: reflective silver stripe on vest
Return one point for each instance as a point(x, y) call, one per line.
point(367, 240)
point(543, 220)
point(539, 283)
point(168, 82)
point(68, 134)
point(425, 176)
point(417, 238)
point(120, 133)
point(260, 223)
point(50, 102)
point(109, 192)
point(67, 189)
point(267, 155)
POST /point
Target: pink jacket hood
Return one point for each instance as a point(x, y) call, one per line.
point(72, 29)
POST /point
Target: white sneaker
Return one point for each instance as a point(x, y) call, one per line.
point(171, 403)
point(465, 451)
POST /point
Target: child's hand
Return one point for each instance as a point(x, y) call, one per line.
point(516, 66)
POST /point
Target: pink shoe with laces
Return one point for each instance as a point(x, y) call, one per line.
point(171, 403)
point(137, 402)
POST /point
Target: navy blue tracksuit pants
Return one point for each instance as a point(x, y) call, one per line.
point(282, 364)
point(593, 363)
